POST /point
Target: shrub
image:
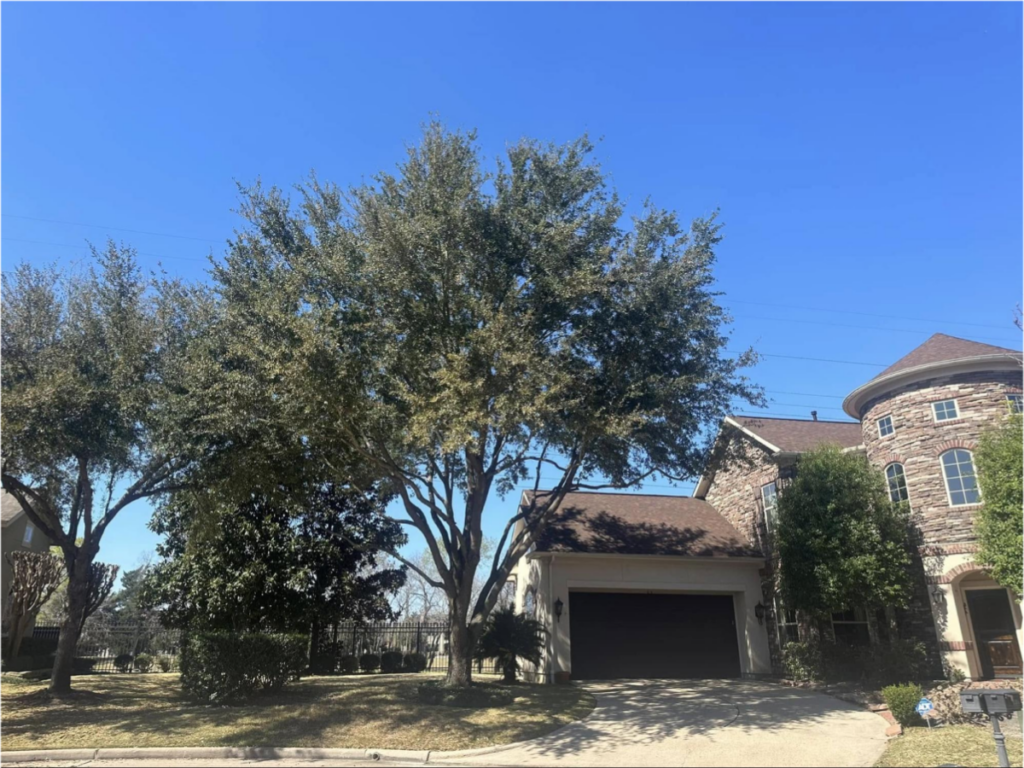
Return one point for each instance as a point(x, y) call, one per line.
point(38, 646)
point(323, 663)
point(391, 662)
point(143, 662)
point(123, 662)
point(802, 661)
point(477, 696)
point(414, 662)
point(165, 663)
point(898, 662)
point(26, 663)
point(82, 665)
point(369, 662)
point(508, 637)
point(901, 700)
point(348, 664)
point(227, 667)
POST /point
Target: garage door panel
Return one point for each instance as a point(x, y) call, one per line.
point(633, 635)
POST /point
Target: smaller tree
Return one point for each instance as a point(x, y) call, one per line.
point(841, 542)
point(34, 577)
point(508, 637)
point(1000, 521)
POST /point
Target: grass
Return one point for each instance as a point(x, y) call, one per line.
point(965, 745)
point(353, 711)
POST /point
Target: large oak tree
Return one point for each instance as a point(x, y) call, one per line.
point(459, 331)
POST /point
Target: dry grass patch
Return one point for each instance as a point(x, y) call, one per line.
point(965, 745)
point(356, 711)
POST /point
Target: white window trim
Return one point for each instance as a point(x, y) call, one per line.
point(945, 480)
point(1012, 398)
point(892, 426)
point(28, 535)
point(769, 512)
point(780, 622)
point(935, 413)
point(906, 485)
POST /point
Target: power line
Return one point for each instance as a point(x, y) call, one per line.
point(119, 229)
point(803, 394)
point(813, 359)
point(69, 245)
point(809, 405)
point(864, 314)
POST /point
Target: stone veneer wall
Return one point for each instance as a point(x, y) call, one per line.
point(735, 493)
point(918, 441)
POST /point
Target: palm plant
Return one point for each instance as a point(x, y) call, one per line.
point(511, 636)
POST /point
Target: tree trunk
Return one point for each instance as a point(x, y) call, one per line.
point(460, 653)
point(71, 629)
point(17, 633)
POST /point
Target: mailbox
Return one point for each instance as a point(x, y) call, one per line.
point(990, 702)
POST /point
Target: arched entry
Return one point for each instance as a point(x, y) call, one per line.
point(992, 621)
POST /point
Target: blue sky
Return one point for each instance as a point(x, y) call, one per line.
point(866, 158)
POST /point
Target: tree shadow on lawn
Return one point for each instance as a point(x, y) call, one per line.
point(643, 713)
point(358, 712)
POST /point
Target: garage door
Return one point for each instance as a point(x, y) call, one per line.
point(631, 635)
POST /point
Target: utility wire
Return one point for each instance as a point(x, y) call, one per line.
point(814, 359)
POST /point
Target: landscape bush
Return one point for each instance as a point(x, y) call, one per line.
point(414, 662)
point(802, 661)
point(369, 662)
point(348, 664)
point(144, 662)
point(26, 663)
point(323, 663)
point(165, 663)
point(898, 661)
point(83, 665)
point(230, 667)
point(391, 662)
point(901, 700)
point(123, 662)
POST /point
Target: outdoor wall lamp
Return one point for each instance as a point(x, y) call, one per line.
point(559, 605)
point(759, 612)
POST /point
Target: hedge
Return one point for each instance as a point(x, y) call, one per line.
point(227, 667)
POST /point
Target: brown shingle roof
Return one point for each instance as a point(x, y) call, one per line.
point(799, 435)
point(639, 524)
point(941, 348)
point(10, 509)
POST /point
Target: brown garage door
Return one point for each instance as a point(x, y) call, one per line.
point(631, 635)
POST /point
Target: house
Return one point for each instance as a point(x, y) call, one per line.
point(16, 534)
point(633, 586)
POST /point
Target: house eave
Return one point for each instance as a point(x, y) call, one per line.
point(854, 403)
point(716, 559)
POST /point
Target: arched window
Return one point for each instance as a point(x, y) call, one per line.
point(897, 482)
point(961, 484)
point(530, 602)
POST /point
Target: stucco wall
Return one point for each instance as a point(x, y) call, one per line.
point(557, 577)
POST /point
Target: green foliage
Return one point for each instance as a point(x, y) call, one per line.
point(475, 697)
point(165, 663)
point(841, 542)
point(469, 326)
point(901, 700)
point(511, 636)
point(414, 662)
point(230, 667)
point(277, 564)
point(83, 665)
point(348, 664)
point(123, 662)
point(1000, 521)
point(144, 662)
point(369, 662)
point(323, 663)
point(802, 661)
point(391, 662)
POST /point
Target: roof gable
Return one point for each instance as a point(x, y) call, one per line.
point(641, 524)
point(799, 435)
point(10, 509)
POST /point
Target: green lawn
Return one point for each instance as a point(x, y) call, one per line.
point(966, 745)
point(357, 711)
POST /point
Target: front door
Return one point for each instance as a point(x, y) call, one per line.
point(994, 632)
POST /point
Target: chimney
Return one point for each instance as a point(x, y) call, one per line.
point(814, 415)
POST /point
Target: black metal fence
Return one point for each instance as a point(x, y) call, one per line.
point(116, 646)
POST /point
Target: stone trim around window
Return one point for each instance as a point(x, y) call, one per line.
point(949, 576)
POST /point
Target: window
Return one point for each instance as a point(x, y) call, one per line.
point(961, 484)
point(770, 500)
point(945, 410)
point(785, 620)
point(29, 531)
point(885, 426)
point(897, 483)
point(530, 603)
point(1015, 401)
point(851, 627)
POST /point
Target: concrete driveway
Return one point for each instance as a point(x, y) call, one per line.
point(706, 723)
